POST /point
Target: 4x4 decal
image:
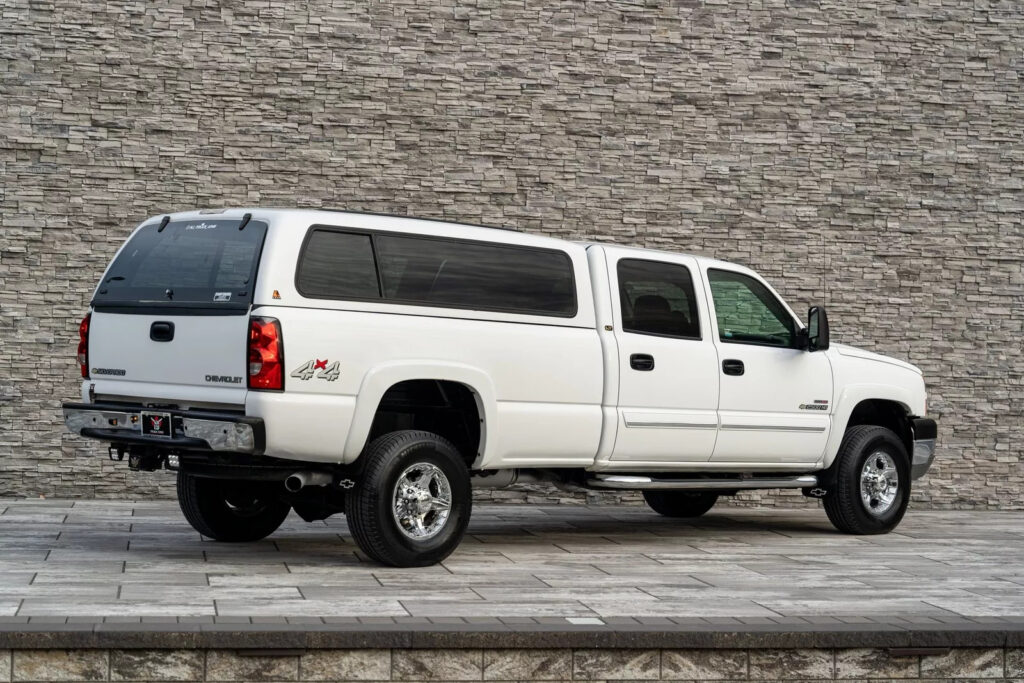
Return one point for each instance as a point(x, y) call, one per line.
point(309, 368)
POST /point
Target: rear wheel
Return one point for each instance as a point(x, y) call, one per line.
point(413, 502)
point(231, 511)
point(680, 503)
point(872, 486)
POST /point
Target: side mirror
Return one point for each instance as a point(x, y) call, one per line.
point(817, 329)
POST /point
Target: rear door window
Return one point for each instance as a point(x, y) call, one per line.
point(203, 264)
point(657, 298)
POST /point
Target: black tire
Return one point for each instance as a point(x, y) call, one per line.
point(680, 503)
point(844, 505)
point(231, 511)
point(369, 507)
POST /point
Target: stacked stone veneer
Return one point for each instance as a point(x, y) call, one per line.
point(510, 665)
point(867, 155)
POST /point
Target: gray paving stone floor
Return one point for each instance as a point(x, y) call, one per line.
point(80, 560)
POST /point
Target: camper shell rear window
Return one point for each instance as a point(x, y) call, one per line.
point(205, 265)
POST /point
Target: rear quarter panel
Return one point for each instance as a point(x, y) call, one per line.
point(538, 380)
point(538, 387)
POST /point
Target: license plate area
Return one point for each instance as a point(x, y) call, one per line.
point(157, 424)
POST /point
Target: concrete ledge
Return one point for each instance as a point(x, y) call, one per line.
point(134, 635)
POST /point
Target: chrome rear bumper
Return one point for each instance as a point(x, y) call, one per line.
point(191, 430)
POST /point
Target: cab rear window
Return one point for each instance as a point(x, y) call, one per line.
point(200, 264)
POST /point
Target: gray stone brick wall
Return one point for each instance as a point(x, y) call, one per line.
point(554, 664)
point(866, 155)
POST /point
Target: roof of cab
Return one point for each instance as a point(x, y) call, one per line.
point(705, 261)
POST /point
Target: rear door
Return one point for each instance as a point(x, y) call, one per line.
point(170, 317)
point(668, 367)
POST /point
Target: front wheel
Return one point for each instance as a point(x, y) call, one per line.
point(413, 501)
point(230, 511)
point(872, 486)
point(680, 503)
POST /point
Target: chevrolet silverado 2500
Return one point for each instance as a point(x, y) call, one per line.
point(379, 366)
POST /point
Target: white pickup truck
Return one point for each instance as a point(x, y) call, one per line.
point(382, 366)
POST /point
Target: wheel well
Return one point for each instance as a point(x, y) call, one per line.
point(883, 413)
point(446, 408)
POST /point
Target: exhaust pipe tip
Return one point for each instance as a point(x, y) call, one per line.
point(294, 483)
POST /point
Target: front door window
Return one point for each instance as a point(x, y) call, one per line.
point(748, 313)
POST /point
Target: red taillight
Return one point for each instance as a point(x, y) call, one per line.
point(83, 345)
point(266, 354)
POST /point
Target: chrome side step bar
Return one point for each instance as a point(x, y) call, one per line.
point(630, 481)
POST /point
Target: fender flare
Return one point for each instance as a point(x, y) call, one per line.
point(379, 379)
point(851, 396)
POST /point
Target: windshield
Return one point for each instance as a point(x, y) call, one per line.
point(208, 264)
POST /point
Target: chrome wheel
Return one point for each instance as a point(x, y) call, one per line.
point(422, 501)
point(879, 483)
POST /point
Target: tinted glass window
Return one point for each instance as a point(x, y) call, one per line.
point(748, 312)
point(337, 265)
point(199, 263)
point(657, 298)
point(475, 275)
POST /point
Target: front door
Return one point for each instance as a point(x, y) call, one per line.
point(668, 369)
point(775, 399)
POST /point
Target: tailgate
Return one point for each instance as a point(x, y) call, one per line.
point(203, 351)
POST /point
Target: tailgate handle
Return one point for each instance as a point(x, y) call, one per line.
point(161, 331)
